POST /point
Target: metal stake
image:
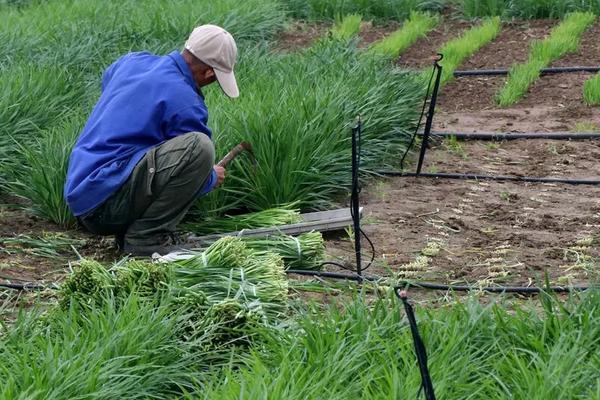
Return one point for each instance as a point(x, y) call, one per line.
point(430, 112)
point(354, 200)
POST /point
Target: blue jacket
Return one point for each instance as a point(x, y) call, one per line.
point(146, 100)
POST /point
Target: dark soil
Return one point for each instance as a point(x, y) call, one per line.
point(300, 35)
point(19, 264)
point(490, 232)
point(553, 103)
point(370, 34)
point(419, 55)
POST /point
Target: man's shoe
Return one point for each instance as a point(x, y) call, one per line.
point(166, 244)
point(120, 241)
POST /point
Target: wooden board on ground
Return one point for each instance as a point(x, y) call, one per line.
point(321, 221)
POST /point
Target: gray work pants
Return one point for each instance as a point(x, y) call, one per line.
point(159, 192)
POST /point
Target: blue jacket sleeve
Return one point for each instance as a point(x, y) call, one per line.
point(210, 184)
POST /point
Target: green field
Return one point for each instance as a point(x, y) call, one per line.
point(228, 323)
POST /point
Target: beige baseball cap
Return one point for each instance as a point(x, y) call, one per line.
point(215, 47)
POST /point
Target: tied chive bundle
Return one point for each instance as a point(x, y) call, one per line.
point(141, 277)
point(228, 269)
point(306, 251)
point(259, 219)
point(91, 284)
point(88, 285)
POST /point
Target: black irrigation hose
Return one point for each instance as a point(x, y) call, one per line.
point(443, 287)
point(27, 286)
point(494, 289)
point(373, 278)
point(505, 71)
point(420, 351)
point(335, 275)
point(513, 136)
point(478, 177)
point(418, 126)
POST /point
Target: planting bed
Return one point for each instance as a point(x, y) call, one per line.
point(299, 35)
point(493, 232)
point(502, 232)
point(554, 102)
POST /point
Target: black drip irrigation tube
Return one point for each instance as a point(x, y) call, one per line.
point(502, 178)
point(27, 286)
point(505, 71)
point(420, 351)
point(446, 288)
point(374, 278)
point(514, 136)
point(427, 133)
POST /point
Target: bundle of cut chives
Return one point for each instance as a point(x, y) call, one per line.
point(306, 251)
point(228, 269)
point(259, 219)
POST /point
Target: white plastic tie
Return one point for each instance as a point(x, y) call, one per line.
point(298, 248)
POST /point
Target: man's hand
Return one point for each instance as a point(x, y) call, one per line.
point(220, 174)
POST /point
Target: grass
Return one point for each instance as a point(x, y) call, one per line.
point(475, 352)
point(482, 8)
point(563, 39)
point(52, 53)
point(305, 251)
point(591, 91)
point(41, 176)
point(229, 269)
point(259, 219)
point(525, 9)
point(159, 26)
point(48, 245)
point(457, 50)
point(107, 354)
point(544, 348)
point(341, 85)
point(380, 10)
point(417, 26)
point(300, 129)
point(347, 27)
point(35, 98)
point(585, 127)
point(453, 145)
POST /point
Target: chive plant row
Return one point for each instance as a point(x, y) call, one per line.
point(525, 9)
point(144, 341)
point(457, 50)
point(347, 27)
point(379, 10)
point(591, 91)
point(474, 352)
point(563, 39)
point(414, 28)
point(300, 129)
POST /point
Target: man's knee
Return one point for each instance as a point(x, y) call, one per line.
point(202, 149)
point(193, 151)
point(200, 159)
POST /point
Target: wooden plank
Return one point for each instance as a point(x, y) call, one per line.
point(321, 221)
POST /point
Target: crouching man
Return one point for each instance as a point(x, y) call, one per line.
point(145, 154)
